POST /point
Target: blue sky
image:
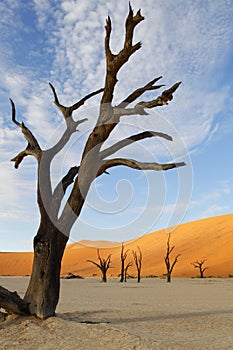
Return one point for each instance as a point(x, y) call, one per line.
point(62, 42)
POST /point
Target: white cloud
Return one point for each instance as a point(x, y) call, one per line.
point(214, 210)
point(212, 203)
point(189, 48)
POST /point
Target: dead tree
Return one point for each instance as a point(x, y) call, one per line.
point(138, 262)
point(104, 265)
point(199, 265)
point(126, 270)
point(56, 219)
point(123, 258)
point(170, 265)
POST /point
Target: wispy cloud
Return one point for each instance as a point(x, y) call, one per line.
point(213, 210)
point(212, 203)
point(186, 41)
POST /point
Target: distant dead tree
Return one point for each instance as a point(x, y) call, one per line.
point(170, 265)
point(104, 265)
point(137, 255)
point(199, 265)
point(123, 258)
point(126, 270)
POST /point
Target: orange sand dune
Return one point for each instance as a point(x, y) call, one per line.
point(211, 238)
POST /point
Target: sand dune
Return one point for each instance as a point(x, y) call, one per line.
point(211, 238)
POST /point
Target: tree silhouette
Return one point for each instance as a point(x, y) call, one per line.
point(103, 265)
point(137, 255)
point(198, 264)
point(170, 265)
point(123, 258)
point(59, 209)
point(126, 270)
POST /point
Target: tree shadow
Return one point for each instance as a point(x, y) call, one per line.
point(105, 316)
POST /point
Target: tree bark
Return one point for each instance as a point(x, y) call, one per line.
point(122, 271)
point(43, 291)
point(168, 277)
point(104, 276)
point(139, 276)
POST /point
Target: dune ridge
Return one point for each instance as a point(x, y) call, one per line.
point(211, 238)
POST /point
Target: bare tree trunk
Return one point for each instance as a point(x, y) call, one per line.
point(104, 276)
point(139, 276)
point(122, 271)
point(167, 259)
point(123, 258)
point(168, 277)
point(43, 290)
point(137, 255)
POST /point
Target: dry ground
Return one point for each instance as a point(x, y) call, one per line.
point(185, 314)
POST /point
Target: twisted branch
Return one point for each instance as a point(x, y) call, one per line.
point(134, 164)
point(32, 148)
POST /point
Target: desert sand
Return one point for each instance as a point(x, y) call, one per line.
point(190, 314)
point(211, 238)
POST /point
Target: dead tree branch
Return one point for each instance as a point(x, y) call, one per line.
point(199, 265)
point(138, 92)
point(130, 140)
point(137, 255)
point(32, 148)
point(126, 270)
point(68, 110)
point(103, 265)
point(139, 108)
point(12, 303)
point(134, 164)
point(170, 265)
point(124, 254)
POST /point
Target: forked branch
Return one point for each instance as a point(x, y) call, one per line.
point(103, 265)
point(163, 99)
point(115, 61)
point(68, 110)
point(137, 93)
point(130, 24)
point(139, 108)
point(71, 124)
